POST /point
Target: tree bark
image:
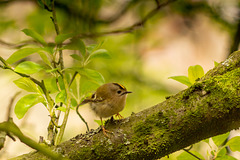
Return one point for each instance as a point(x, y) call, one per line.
point(208, 108)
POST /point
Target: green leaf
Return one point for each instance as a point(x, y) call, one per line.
point(87, 86)
point(225, 157)
point(99, 122)
point(44, 58)
point(48, 49)
point(182, 79)
point(233, 143)
point(195, 72)
point(28, 67)
point(91, 48)
point(62, 37)
point(27, 84)
point(74, 102)
point(76, 44)
point(76, 57)
point(27, 102)
point(206, 140)
point(100, 53)
point(91, 75)
point(35, 36)
point(51, 85)
point(218, 140)
point(61, 97)
point(63, 109)
point(222, 152)
point(216, 63)
point(186, 156)
point(21, 53)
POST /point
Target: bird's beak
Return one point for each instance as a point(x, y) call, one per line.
point(126, 92)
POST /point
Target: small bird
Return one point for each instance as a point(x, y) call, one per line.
point(108, 100)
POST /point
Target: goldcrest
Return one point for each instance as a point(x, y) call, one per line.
point(108, 100)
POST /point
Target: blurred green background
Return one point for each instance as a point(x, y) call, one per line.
point(180, 34)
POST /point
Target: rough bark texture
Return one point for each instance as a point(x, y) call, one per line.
point(208, 108)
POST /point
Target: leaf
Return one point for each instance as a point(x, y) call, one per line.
point(99, 122)
point(48, 49)
point(233, 143)
point(63, 109)
point(61, 97)
point(181, 79)
point(21, 53)
point(51, 85)
point(74, 102)
point(27, 102)
point(226, 157)
point(44, 58)
point(76, 57)
point(90, 74)
point(100, 53)
point(206, 140)
point(186, 156)
point(62, 37)
point(91, 48)
point(27, 84)
point(218, 140)
point(216, 63)
point(28, 67)
point(87, 86)
point(222, 152)
point(195, 72)
point(35, 36)
point(76, 44)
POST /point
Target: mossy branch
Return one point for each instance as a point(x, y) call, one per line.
point(208, 108)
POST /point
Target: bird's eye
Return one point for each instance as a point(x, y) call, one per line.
point(119, 92)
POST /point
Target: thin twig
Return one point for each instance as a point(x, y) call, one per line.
point(11, 105)
point(65, 118)
point(82, 117)
point(17, 45)
point(54, 123)
point(54, 19)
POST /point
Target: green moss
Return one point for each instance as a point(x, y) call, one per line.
point(142, 129)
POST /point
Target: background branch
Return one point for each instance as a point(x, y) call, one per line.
point(130, 28)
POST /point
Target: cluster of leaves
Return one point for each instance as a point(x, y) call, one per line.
point(57, 82)
point(194, 73)
point(219, 148)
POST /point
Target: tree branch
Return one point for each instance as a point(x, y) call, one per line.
point(130, 28)
point(17, 45)
point(208, 108)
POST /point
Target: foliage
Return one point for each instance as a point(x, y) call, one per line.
point(220, 147)
point(56, 80)
point(194, 73)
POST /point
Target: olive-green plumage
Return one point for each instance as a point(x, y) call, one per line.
point(108, 100)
